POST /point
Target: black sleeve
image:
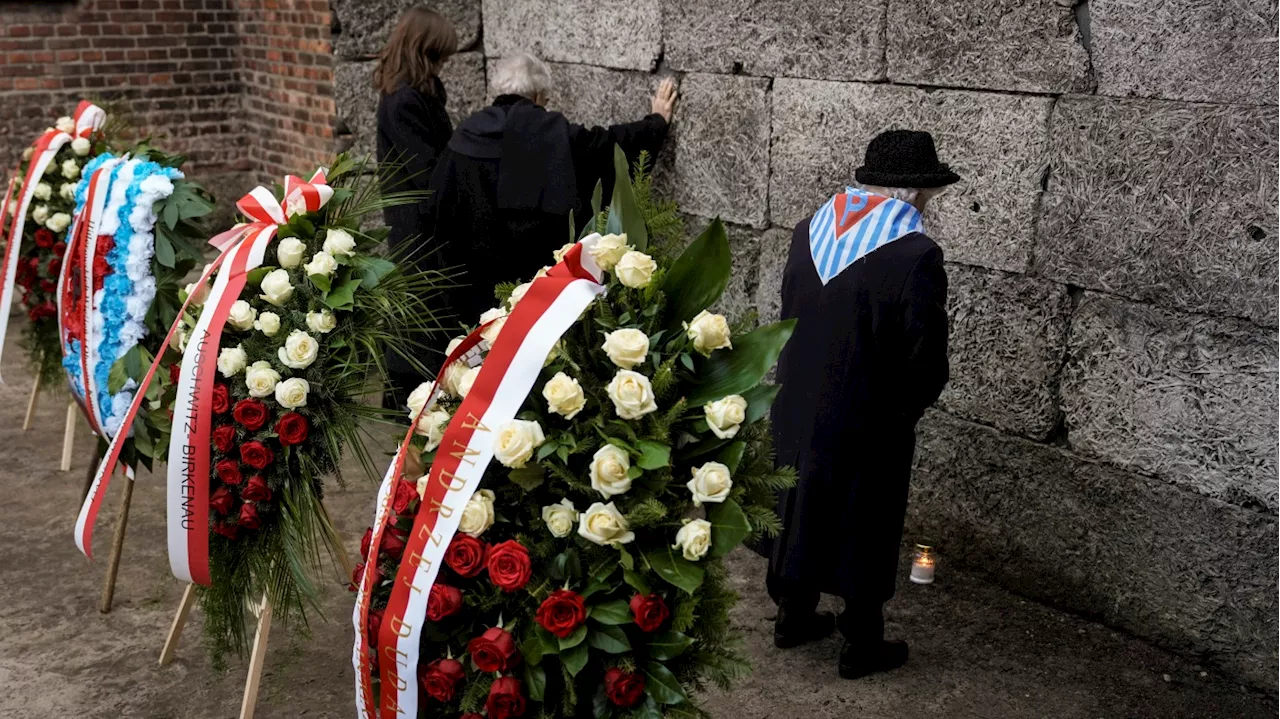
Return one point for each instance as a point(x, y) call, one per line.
point(925, 330)
point(418, 130)
point(593, 147)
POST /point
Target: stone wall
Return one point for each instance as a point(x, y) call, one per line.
point(1108, 440)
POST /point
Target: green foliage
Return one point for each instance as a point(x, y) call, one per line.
point(699, 276)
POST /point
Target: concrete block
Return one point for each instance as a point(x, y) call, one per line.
point(1164, 202)
point(1008, 342)
point(1192, 574)
point(464, 84)
point(623, 34)
point(363, 25)
point(775, 244)
point(776, 38)
point(1186, 49)
point(1190, 399)
point(997, 143)
point(990, 44)
point(596, 96)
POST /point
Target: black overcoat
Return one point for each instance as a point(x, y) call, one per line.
point(868, 356)
point(413, 129)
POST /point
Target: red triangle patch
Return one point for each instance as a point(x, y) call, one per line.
point(850, 209)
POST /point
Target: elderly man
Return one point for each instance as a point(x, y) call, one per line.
point(512, 173)
point(868, 356)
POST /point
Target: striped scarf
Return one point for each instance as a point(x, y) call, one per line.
point(852, 224)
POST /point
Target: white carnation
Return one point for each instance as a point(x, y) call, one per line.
point(81, 146)
point(58, 221)
point(43, 191)
point(70, 169)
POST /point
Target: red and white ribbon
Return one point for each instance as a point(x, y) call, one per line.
point(551, 306)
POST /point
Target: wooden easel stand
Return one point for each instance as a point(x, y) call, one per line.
point(31, 404)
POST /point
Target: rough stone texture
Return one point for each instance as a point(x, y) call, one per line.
point(1008, 342)
point(624, 34)
point(1162, 562)
point(1165, 202)
point(1188, 398)
point(774, 246)
point(780, 38)
point(992, 44)
point(363, 25)
point(1186, 49)
point(997, 143)
point(596, 96)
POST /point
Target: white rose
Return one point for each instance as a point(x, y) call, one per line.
point(268, 323)
point(708, 332)
point(516, 443)
point(609, 468)
point(322, 321)
point(289, 252)
point(478, 515)
point(518, 294)
point(559, 254)
point(541, 273)
point(604, 524)
point(40, 214)
point(276, 288)
point(70, 169)
point(560, 518)
point(453, 375)
point(43, 191)
point(626, 348)
point(498, 316)
point(564, 395)
point(27, 153)
point(725, 416)
point(198, 294)
point(80, 146)
point(608, 250)
point(432, 427)
point(242, 315)
point(711, 483)
point(422, 483)
point(299, 350)
point(231, 360)
point(261, 379)
point(418, 399)
point(465, 382)
point(65, 124)
point(292, 393)
point(338, 242)
point(632, 394)
point(52, 168)
point(694, 539)
point(635, 269)
point(67, 191)
point(58, 221)
point(322, 263)
point(179, 341)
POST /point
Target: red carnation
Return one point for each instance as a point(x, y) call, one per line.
point(251, 413)
point(226, 529)
point(249, 517)
point(509, 566)
point(506, 699)
point(222, 500)
point(60, 249)
point(366, 541)
point(228, 471)
point(624, 689)
point(650, 612)
point(494, 651)
point(444, 601)
point(562, 612)
point(406, 494)
point(440, 679)
point(224, 437)
point(48, 285)
point(100, 267)
point(44, 238)
point(465, 555)
point(375, 623)
point(256, 455)
point(392, 545)
point(256, 490)
point(55, 264)
point(106, 243)
point(174, 370)
point(221, 400)
point(292, 429)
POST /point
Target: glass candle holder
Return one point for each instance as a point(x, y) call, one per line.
point(923, 564)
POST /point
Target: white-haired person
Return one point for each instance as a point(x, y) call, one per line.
point(513, 172)
point(869, 354)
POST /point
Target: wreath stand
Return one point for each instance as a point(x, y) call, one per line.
point(257, 658)
point(117, 538)
point(69, 429)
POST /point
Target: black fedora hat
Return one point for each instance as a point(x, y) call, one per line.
point(904, 158)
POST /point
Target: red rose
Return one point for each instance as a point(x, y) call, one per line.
point(506, 699)
point(224, 437)
point(357, 576)
point(174, 370)
point(444, 601)
point(60, 249)
point(465, 555)
point(225, 529)
point(624, 689)
point(222, 500)
point(44, 238)
point(48, 285)
point(562, 612)
point(256, 455)
point(249, 517)
point(55, 264)
point(440, 679)
point(509, 565)
point(292, 429)
point(366, 541)
point(375, 623)
point(256, 490)
point(406, 494)
point(494, 651)
point(650, 612)
point(228, 471)
point(392, 545)
point(220, 399)
point(251, 413)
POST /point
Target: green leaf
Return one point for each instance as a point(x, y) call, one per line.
point(699, 276)
point(344, 296)
point(595, 586)
point(529, 477)
point(687, 360)
point(653, 455)
point(676, 570)
point(546, 450)
point(662, 685)
point(737, 370)
point(649, 710)
point(323, 282)
point(729, 526)
point(600, 706)
point(575, 659)
point(373, 269)
point(573, 228)
point(597, 197)
point(634, 472)
point(532, 649)
point(550, 643)
point(625, 559)
point(669, 645)
point(170, 214)
point(731, 456)
point(117, 376)
point(624, 204)
point(574, 639)
point(164, 250)
point(759, 400)
point(612, 612)
point(636, 581)
point(535, 681)
point(609, 639)
point(254, 277)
